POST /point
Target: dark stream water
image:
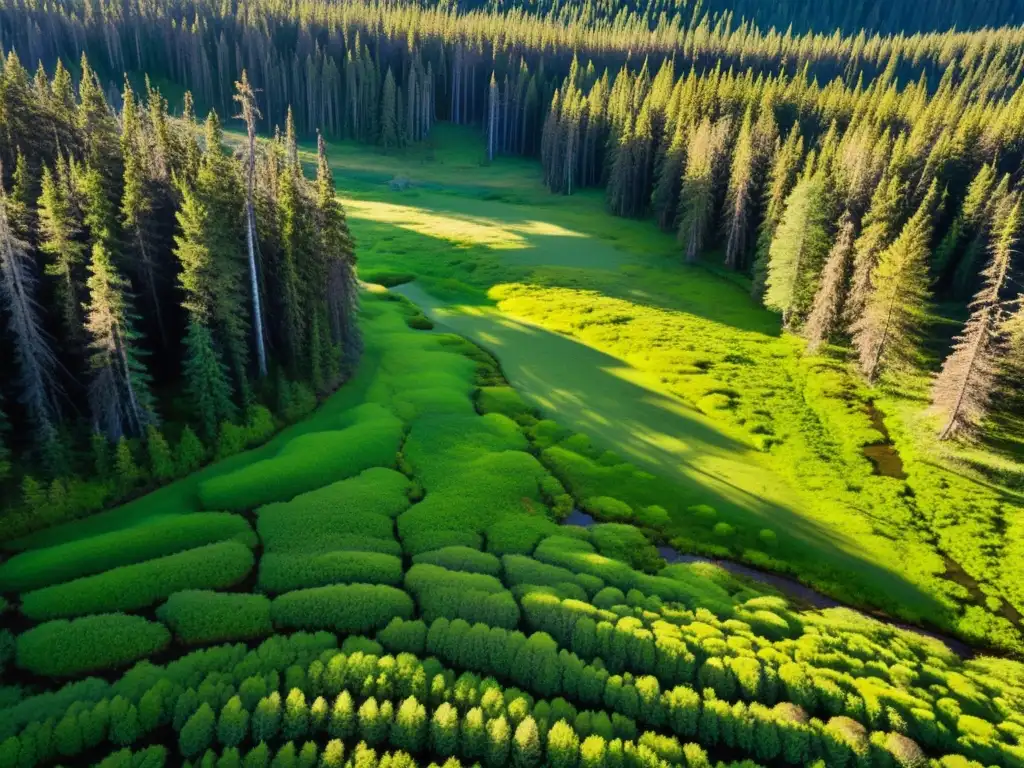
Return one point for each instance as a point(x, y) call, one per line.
point(883, 455)
point(790, 587)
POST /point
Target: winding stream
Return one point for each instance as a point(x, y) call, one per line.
point(792, 588)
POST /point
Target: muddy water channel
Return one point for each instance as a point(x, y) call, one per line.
point(884, 456)
point(792, 588)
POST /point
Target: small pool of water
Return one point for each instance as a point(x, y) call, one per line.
point(884, 456)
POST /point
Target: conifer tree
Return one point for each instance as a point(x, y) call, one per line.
point(58, 231)
point(738, 213)
point(964, 388)
point(826, 311)
point(782, 176)
point(34, 358)
point(697, 193)
point(887, 334)
point(389, 113)
point(119, 391)
point(668, 175)
point(246, 98)
point(798, 250)
point(137, 206)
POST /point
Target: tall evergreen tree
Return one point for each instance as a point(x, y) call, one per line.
point(887, 334)
point(783, 174)
point(798, 250)
point(697, 195)
point(246, 98)
point(34, 357)
point(825, 317)
point(389, 113)
point(119, 391)
point(739, 202)
point(963, 389)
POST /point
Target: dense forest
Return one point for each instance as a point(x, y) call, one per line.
point(150, 280)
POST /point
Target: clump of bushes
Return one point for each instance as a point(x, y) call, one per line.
point(90, 644)
point(506, 401)
point(459, 558)
point(83, 557)
point(199, 617)
point(349, 608)
point(608, 508)
point(306, 462)
point(283, 572)
point(130, 587)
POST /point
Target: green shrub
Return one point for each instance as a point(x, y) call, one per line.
point(202, 617)
point(723, 530)
point(518, 534)
point(386, 277)
point(349, 608)
point(608, 508)
point(364, 645)
point(130, 587)
point(197, 734)
point(154, 538)
point(703, 512)
point(402, 636)
point(233, 725)
point(653, 516)
point(768, 538)
point(286, 572)
point(306, 462)
point(503, 400)
point(93, 643)
point(342, 515)
point(461, 559)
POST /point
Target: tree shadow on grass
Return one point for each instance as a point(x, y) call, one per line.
point(544, 248)
point(591, 392)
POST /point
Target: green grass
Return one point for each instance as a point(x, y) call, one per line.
point(676, 370)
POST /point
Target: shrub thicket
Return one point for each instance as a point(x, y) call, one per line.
point(199, 617)
point(350, 608)
point(214, 566)
point(93, 643)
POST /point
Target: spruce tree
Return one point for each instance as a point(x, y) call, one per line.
point(207, 381)
point(964, 388)
point(698, 191)
point(888, 332)
point(826, 311)
point(782, 176)
point(797, 252)
point(119, 391)
point(738, 213)
point(58, 239)
point(389, 113)
point(34, 358)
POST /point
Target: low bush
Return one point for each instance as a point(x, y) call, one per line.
point(90, 644)
point(503, 400)
point(348, 608)
point(157, 537)
point(526, 570)
point(337, 515)
point(608, 508)
point(626, 543)
point(519, 535)
point(306, 462)
point(456, 594)
point(460, 558)
point(287, 571)
point(199, 617)
point(130, 587)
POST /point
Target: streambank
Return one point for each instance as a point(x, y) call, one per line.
point(798, 592)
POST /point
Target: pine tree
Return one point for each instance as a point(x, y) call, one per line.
point(963, 389)
point(887, 334)
point(782, 176)
point(34, 358)
point(798, 250)
point(738, 214)
point(339, 252)
point(207, 381)
point(137, 207)
point(697, 193)
point(669, 173)
point(389, 113)
point(119, 391)
point(826, 311)
point(58, 231)
point(245, 96)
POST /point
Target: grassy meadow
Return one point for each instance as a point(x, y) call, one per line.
point(675, 369)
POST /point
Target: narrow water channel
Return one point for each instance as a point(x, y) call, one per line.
point(792, 588)
point(884, 456)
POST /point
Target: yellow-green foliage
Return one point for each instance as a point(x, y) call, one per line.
point(214, 566)
point(306, 463)
point(69, 648)
point(153, 538)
